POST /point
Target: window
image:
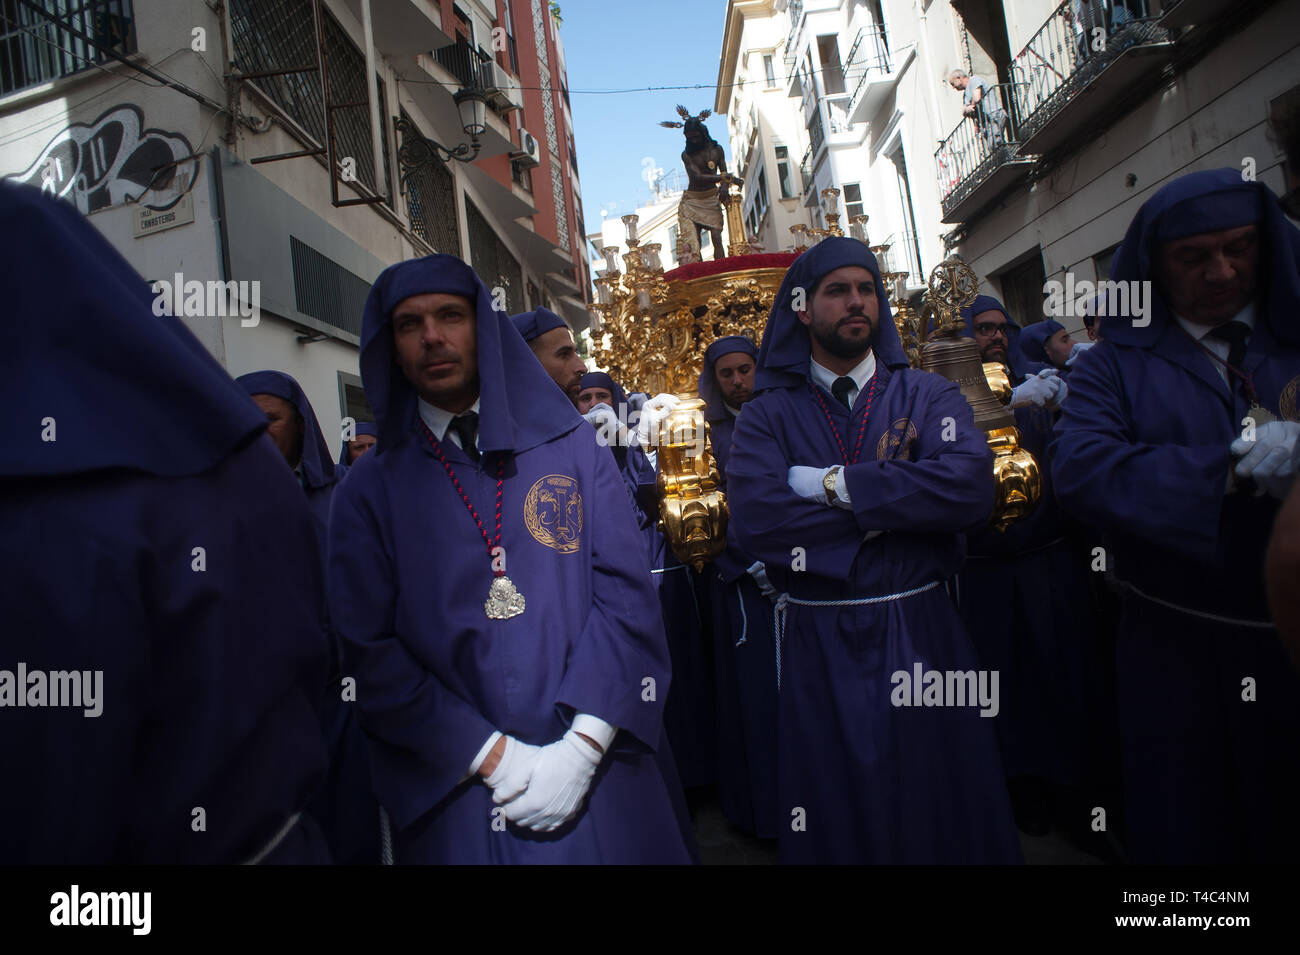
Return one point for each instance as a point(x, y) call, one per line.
point(431, 204)
point(852, 200)
point(1022, 290)
point(510, 38)
point(911, 246)
point(492, 260)
point(828, 48)
point(1101, 261)
point(352, 398)
point(278, 35)
point(464, 26)
point(36, 48)
point(672, 242)
point(758, 201)
point(769, 70)
point(783, 172)
point(521, 175)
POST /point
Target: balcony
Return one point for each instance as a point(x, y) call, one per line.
point(1062, 83)
point(467, 64)
point(792, 41)
point(36, 46)
point(805, 171)
point(816, 131)
point(980, 158)
point(868, 74)
point(404, 27)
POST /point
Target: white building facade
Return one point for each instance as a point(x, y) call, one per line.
point(177, 165)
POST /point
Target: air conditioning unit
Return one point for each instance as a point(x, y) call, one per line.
point(530, 150)
point(503, 92)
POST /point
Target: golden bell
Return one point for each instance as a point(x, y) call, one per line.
point(692, 510)
point(986, 388)
point(1018, 482)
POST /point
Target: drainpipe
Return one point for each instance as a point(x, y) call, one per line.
point(372, 91)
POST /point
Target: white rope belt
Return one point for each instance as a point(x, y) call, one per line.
point(1125, 586)
point(778, 612)
point(385, 839)
point(665, 570)
point(276, 839)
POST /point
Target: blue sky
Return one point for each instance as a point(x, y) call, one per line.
point(621, 44)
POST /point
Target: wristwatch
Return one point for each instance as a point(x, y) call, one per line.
point(828, 482)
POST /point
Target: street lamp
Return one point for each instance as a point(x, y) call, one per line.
point(418, 150)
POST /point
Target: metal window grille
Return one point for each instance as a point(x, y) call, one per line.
point(36, 47)
point(278, 35)
point(431, 201)
point(492, 260)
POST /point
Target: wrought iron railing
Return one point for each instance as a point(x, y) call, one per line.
point(1079, 40)
point(792, 41)
point(868, 58)
point(67, 38)
point(492, 260)
point(978, 145)
point(430, 190)
point(468, 64)
point(816, 131)
point(904, 256)
point(805, 171)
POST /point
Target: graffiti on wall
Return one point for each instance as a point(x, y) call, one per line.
point(112, 161)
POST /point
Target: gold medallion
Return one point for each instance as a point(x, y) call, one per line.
point(504, 601)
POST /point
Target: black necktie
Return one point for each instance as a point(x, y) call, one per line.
point(1234, 333)
point(841, 388)
point(466, 427)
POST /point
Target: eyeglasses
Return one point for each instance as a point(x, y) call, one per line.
point(991, 328)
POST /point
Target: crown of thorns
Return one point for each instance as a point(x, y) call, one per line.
point(685, 114)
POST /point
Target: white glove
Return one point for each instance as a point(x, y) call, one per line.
point(560, 779)
point(807, 482)
point(1270, 460)
point(653, 413)
point(510, 778)
point(1033, 391)
point(758, 571)
point(1059, 388)
point(1078, 349)
point(605, 421)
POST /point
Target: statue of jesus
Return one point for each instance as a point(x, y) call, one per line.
point(707, 184)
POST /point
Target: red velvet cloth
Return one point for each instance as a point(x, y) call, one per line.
point(734, 263)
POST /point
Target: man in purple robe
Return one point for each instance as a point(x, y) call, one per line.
point(1178, 442)
point(365, 435)
point(1023, 594)
point(159, 575)
point(489, 584)
point(551, 340)
point(345, 807)
point(852, 478)
point(743, 649)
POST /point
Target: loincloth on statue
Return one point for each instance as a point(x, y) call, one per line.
point(702, 207)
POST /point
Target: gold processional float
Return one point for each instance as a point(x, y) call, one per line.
point(652, 328)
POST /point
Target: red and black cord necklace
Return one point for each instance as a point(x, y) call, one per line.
point(862, 430)
point(504, 601)
point(1258, 412)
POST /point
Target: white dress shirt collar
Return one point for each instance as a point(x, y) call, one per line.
point(861, 374)
point(438, 420)
point(1246, 316)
